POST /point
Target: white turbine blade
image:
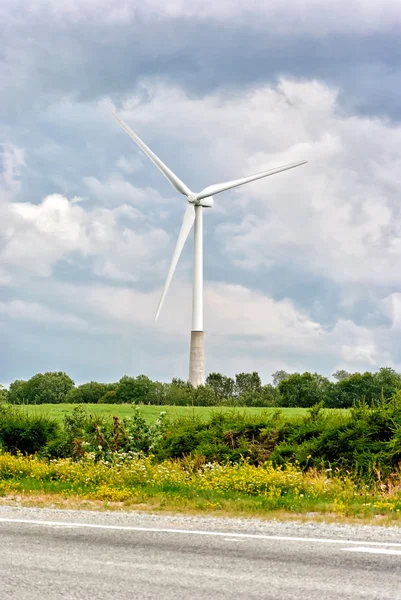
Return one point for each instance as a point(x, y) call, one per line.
point(173, 179)
point(211, 190)
point(188, 221)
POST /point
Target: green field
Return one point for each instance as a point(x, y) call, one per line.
point(150, 412)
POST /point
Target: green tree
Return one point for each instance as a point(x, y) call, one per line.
point(304, 390)
point(389, 380)
point(48, 388)
point(17, 393)
point(108, 398)
point(279, 376)
point(246, 383)
point(134, 389)
point(341, 374)
point(269, 395)
point(222, 386)
point(179, 393)
point(89, 393)
point(204, 396)
point(356, 387)
point(364, 387)
point(159, 394)
point(3, 394)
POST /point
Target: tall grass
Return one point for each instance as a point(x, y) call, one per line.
point(192, 484)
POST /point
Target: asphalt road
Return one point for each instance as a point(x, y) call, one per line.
point(62, 554)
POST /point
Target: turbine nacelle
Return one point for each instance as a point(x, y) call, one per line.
point(203, 198)
point(206, 202)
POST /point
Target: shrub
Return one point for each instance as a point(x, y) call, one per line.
point(103, 438)
point(364, 441)
point(20, 432)
point(226, 437)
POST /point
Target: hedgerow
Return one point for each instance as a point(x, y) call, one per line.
point(364, 441)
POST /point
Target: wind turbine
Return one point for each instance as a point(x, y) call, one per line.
point(194, 215)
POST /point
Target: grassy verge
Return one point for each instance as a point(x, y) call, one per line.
point(187, 486)
point(57, 411)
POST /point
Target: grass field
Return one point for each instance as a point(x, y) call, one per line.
point(150, 412)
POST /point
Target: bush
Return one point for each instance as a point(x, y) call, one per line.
point(20, 432)
point(225, 437)
point(364, 441)
point(368, 438)
point(103, 438)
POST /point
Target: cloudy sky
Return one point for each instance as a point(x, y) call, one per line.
point(302, 270)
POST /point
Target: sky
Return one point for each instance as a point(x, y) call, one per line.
point(301, 269)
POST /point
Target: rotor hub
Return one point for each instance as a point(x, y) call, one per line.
point(205, 202)
point(193, 199)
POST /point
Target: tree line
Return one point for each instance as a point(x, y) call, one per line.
point(245, 389)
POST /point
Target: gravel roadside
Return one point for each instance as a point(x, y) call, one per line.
point(254, 526)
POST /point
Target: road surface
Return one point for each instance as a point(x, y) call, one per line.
point(49, 554)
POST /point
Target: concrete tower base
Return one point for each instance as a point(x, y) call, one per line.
point(197, 359)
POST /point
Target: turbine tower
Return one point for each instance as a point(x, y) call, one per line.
point(194, 215)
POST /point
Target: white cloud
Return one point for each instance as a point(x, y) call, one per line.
point(337, 217)
point(37, 236)
point(359, 355)
point(229, 311)
point(234, 310)
point(244, 329)
point(358, 346)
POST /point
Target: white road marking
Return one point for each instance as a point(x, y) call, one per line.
point(255, 536)
point(374, 550)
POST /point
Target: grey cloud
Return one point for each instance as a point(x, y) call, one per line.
point(53, 53)
point(195, 85)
